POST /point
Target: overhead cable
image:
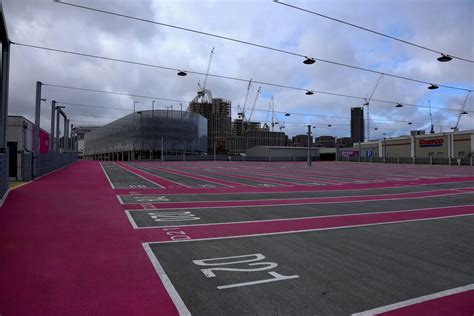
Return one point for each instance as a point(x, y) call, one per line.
point(372, 31)
point(252, 44)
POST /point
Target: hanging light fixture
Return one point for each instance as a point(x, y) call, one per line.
point(409, 123)
point(376, 129)
point(433, 87)
point(329, 125)
point(399, 105)
point(309, 92)
point(444, 58)
point(287, 114)
point(464, 112)
point(309, 61)
point(182, 73)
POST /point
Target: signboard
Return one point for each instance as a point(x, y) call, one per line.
point(436, 142)
point(370, 153)
point(349, 153)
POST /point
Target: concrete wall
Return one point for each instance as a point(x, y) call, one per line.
point(399, 147)
point(20, 130)
point(463, 144)
point(283, 152)
point(441, 145)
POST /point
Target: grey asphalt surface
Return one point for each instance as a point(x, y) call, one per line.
point(123, 179)
point(172, 217)
point(228, 177)
point(263, 176)
point(187, 181)
point(339, 271)
point(287, 195)
point(312, 175)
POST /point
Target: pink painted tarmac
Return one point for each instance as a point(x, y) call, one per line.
point(299, 201)
point(460, 304)
point(310, 223)
point(67, 249)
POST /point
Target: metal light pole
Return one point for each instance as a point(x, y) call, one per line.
point(57, 145)
point(215, 147)
point(37, 117)
point(51, 136)
point(309, 145)
point(66, 137)
point(162, 148)
point(152, 107)
point(134, 104)
point(72, 139)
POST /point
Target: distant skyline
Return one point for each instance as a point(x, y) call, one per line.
point(448, 27)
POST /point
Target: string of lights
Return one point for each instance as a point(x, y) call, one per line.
point(93, 106)
point(308, 60)
point(398, 104)
point(113, 92)
point(256, 109)
point(443, 58)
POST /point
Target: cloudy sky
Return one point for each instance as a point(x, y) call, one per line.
point(446, 26)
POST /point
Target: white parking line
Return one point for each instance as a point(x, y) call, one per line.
point(414, 301)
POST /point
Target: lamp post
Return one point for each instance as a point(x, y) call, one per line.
point(51, 136)
point(58, 112)
point(134, 104)
point(309, 145)
point(152, 107)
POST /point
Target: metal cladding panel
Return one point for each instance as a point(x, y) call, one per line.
point(143, 130)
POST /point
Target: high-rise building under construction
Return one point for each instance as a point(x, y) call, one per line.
point(217, 111)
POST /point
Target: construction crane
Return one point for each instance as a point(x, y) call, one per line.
point(254, 103)
point(271, 108)
point(367, 102)
point(461, 112)
point(241, 114)
point(431, 118)
point(272, 104)
point(203, 92)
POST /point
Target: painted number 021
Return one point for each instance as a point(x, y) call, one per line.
point(212, 265)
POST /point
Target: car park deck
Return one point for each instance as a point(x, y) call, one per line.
point(213, 238)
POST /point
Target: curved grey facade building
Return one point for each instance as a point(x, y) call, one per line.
point(139, 135)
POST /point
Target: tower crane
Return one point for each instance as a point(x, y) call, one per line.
point(254, 103)
point(203, 92)
point(431, 119)
point(461, 112)
point(367, 102)
point(272, 108)
point(242, 113)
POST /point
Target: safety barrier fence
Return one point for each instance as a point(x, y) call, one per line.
point(45, 163)
point(3, 174)
point(413, 160)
